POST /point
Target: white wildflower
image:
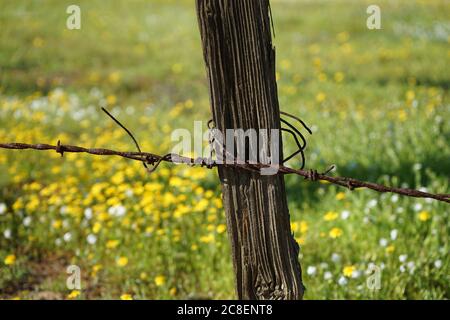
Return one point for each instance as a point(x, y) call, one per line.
point(383, 242)
point(63, 210)
point(67, 237)
point(394, 234)
point(91, 239)
point(129, 193)
point(311, 270)
point(411, 266)
point(438, 264)
point(2, 208)
point(327, 275)
point(356, 274)
point(342, 281)
point(324, 265)
point(370, 267)
point(88, 213)
point(335, 257)
point(345, 214)
point(372, 203)
point(117, 211)
point(7, 234)
point(27, 221)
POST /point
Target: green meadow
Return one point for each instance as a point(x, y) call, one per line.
point(376, 100)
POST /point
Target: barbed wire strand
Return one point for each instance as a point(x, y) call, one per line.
point(155, 160)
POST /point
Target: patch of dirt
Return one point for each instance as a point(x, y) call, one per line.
point(39, 272)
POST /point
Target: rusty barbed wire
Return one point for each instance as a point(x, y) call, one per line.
point(154, 160)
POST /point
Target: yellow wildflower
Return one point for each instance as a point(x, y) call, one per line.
point(322, 77)
point(114, 77)
point(103, 216)
point(57, 224)
point(95, 269)
point(218, 202)
point(201, 205)
point(118, 178)
point(348, 271)
point(143, 276)
point(339, 77)
point(111, 99)
point(74, 294)
point(410, 95)
point(340, 196)
point(294, 226)
point(402, 115)
point(112, 244)
point(221, 228)
point(320, 97)
point(209, 194)
point(335, 233)
point(317, 63)
point(160, 280)
point(10, 259)
point(303, 226)
point(96, 228)
point(207, 239)
point(330, 216)
point(424, 215)
point(122, 261)
point(126, 296)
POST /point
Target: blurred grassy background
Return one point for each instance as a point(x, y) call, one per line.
point(377, 102)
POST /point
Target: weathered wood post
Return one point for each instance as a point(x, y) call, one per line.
point(240, 63)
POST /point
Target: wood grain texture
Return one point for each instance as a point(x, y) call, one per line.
point(240, 63)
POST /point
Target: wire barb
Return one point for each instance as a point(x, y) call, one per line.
point(295, 133)
point(127, 131)
point(59, 149)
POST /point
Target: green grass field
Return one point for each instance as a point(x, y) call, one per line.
point(377, 101)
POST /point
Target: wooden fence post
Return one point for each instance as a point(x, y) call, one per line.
point(240, 63)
